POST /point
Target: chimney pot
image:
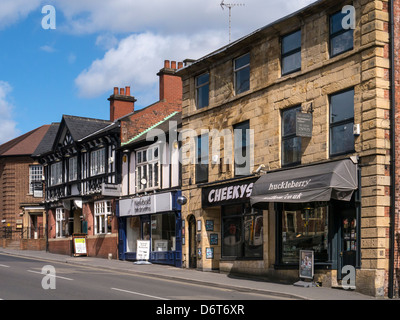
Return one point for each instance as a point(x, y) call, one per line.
point(115, 91)
point(166, 64)
point(180, 65)
point(122, 91)
point(173, 65)
point(128, 91)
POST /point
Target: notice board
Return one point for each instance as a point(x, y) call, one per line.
point(80, 244)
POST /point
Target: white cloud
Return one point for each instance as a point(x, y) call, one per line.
point(12, 11)
point(47, 48)
point(8, 128)
point(138, 58)
point(176, 30)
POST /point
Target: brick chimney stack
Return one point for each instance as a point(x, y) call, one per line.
point(170, 84)
point(121, 103)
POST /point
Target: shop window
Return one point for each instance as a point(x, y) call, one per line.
point(242, 148)
point(60, 223)
point(202, 90)
point(341, 40)
point(148, 169)
point(35, 179)
point(98, 162)
point(342, 123)
point(132, 233)
point(163, 232)
point(202, 158)
point(291, 144)
point(242, 73)
point(103, 216)
point(304, 227)
point(242, 232)
point(56, 175)
point(291, 52)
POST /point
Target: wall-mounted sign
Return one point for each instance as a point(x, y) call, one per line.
point(111, 190)
point(161, 202)
point(304, 125)
point(229, 193)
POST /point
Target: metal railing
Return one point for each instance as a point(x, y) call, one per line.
point(24, 233)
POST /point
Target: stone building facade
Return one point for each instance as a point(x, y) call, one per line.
point(308, 63)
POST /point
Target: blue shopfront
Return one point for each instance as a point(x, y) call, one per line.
point(157, 218)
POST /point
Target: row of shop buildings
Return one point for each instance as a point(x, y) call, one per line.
point(282, 141)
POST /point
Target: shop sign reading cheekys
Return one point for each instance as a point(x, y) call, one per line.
point(227, 193)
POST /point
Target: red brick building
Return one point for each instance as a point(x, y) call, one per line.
point(22, 215)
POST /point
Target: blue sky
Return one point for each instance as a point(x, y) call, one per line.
point(99, 44)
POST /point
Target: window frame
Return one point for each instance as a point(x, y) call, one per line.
point(150, 165)
point(339, 123)
point(336, 34)
point(102, 214)
point(288, 137)
point(60, 223)
point(35, 175)
point(202, 87)
point(73, 169)
point(56, 173)
point(246, 212)
point(290, 53)
point(245, 125)
point(98, 162)
point(202, 158)
point(237, 70)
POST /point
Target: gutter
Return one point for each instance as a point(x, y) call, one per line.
point(391, 293)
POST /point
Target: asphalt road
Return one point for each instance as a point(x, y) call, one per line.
point(30, 279)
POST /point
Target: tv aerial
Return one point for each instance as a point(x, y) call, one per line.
point(230, 6)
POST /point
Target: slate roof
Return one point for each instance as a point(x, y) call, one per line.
point(25, 144)
point(47, 142)
point(80, 127)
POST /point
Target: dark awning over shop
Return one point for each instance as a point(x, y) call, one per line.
point(322, 182)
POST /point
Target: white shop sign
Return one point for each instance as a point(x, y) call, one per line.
point(145, 205)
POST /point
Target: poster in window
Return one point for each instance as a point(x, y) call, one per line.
point(214, 239)
point(209, 253)
point(209, 225)
point(307, 264)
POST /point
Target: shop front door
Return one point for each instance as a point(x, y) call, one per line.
point(347, 246)
point(192, 243)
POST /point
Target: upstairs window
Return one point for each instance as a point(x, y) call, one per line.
point(56, 174)
point(242, 148)
point(342, 123)
point(202, 90)
point(341, 40)
point(73, 169)
point(242, 74)
point(202, 158)
point(291, 144)
point(35, 180)
point(291, 52)
point(148, 169)
point(98, 162)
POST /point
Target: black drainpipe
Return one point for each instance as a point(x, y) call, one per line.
point(392, 154)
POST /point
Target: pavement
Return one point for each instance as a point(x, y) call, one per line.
point(214, 279)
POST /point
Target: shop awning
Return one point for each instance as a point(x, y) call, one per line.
point(322, 182)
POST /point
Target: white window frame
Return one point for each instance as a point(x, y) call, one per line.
point(35, 174)
point(98, 162)
point(102, 211)
point(56, 176)
point(73, 169)
point(60, 222)
point(148, 169)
